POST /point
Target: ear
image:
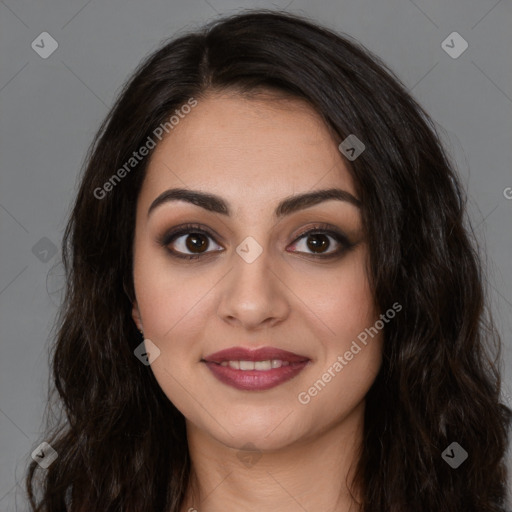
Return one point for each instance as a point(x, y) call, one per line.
point(136, 316)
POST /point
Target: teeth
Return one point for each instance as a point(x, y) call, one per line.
point(246, 365)
point(255, 365)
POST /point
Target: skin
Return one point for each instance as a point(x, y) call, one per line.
point(254, 152)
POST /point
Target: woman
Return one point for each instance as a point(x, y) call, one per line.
point(276, 215)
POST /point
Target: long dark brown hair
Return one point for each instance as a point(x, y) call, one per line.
point(122, 444)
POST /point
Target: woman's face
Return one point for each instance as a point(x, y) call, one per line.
point(257, 282)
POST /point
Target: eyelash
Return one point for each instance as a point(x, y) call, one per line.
point(186, 229)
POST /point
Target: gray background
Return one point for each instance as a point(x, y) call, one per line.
point(51, 108)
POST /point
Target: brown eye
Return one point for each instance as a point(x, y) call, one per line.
point(318, 242)
point(196, 242)
point(188, 242)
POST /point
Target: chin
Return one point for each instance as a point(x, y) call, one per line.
point(266, 437)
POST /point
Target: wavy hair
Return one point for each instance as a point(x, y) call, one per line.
point(122, 444)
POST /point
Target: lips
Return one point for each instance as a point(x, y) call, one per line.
point(288, 366)
point(260, 354)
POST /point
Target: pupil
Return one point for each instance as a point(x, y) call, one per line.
point(317, 241)
point(194, 242)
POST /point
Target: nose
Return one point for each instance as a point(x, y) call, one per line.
point(254, 295)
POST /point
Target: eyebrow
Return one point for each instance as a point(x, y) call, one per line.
point(217, 204)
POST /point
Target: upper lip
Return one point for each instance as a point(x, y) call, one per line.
point(260, 354)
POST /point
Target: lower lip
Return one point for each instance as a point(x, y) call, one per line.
point(255, 380)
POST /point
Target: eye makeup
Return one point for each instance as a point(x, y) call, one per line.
point(319, 232)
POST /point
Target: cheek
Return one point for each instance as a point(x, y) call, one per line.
point(168, 297)
point(352, 347)
point(173, 316)
point(352, 307)
point(341, 299)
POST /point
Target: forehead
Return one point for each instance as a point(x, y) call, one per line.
point(239, 147)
